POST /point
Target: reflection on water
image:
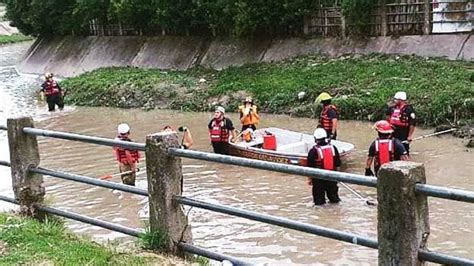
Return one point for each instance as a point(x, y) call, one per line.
point(255, 190)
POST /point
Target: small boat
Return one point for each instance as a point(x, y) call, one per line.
point(291, 147)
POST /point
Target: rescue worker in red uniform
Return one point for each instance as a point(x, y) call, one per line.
point(384, 149)
point(53, 92)
point(127, 159)
point(324, 155)
point(249, 116)
point(403, 119)
point(220, 130)
point(329, 115)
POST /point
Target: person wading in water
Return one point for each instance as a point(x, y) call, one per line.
point(384, 149)
point(403, 119)
point(53, 92)
point(187, 140)
point(127, 159)
point(325, 156)
point(329, 115)
point(220, 129)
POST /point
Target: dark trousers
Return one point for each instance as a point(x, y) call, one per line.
point(321, 188)
point(407, 147)
point(244, 127)
point(54, 100)
point(220, 147)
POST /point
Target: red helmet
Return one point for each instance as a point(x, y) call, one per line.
point(383, 127)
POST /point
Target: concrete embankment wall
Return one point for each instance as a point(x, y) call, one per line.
point(69, 56)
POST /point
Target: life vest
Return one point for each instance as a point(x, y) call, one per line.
point(51, 88)
point(398, 117)
point(384, 151)
point(324, 119)
point(250, 119)
point(325, 159)
point(121, 155)
point(218, 131)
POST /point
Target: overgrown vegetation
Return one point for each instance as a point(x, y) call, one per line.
point(25, 241)
point(357, 13)
point(200, 17)
point(440, 90)
point(5, 39)
point(154, 241)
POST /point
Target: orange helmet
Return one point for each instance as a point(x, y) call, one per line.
point(383, 127)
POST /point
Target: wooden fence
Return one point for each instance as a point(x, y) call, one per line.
point(392, 17)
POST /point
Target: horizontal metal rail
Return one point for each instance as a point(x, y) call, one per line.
point(282, 222)
point(317, 230)
point(430, 190)
point(442, 258)
point(90, 181)
point(211, 255)
point(84, 138)
point(3, 127)
point(5, 163)
point(83, 218)
point(277, 167)
point(445, 193)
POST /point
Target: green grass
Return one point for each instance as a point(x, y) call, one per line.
point(25, 241)
point(5, 39)
point(440, 90)
point(154, 241)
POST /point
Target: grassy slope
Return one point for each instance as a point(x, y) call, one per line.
point(5, 39)
point(30, 242)
point(440, 90)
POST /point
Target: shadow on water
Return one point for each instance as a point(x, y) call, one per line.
point(447, 163)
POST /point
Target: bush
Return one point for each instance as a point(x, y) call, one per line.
point(440, 90)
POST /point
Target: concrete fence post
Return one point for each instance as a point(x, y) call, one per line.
point(27, 187)
point(343, 26)
point(383, 17)
point(165, 179)
point(427, 17)
point(403, 225)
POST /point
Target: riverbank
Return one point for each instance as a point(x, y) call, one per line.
point(440, 90)
point(15, 38)
point(26, 241)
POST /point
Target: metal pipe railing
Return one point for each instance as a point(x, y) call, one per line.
point(282, 222)
point(277, 167)
point(5, 163)
point(90, 181)
point(430, 190)
point(84, 138)
point(445, 193)
point(443, 259)
point(83, 218)
point(211, 255)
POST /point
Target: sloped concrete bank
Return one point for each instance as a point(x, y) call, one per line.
point(69, 56)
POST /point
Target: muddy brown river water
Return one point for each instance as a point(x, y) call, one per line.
point(447, 162)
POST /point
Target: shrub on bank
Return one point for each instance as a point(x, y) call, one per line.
point(440, 90)
point(5, 39)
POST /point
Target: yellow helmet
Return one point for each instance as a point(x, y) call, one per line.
point(323, 97)
point(48, 75)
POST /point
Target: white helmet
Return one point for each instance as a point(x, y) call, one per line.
point(401, 95)
point(320, 133)
point(123, 128)
point(220, 109)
